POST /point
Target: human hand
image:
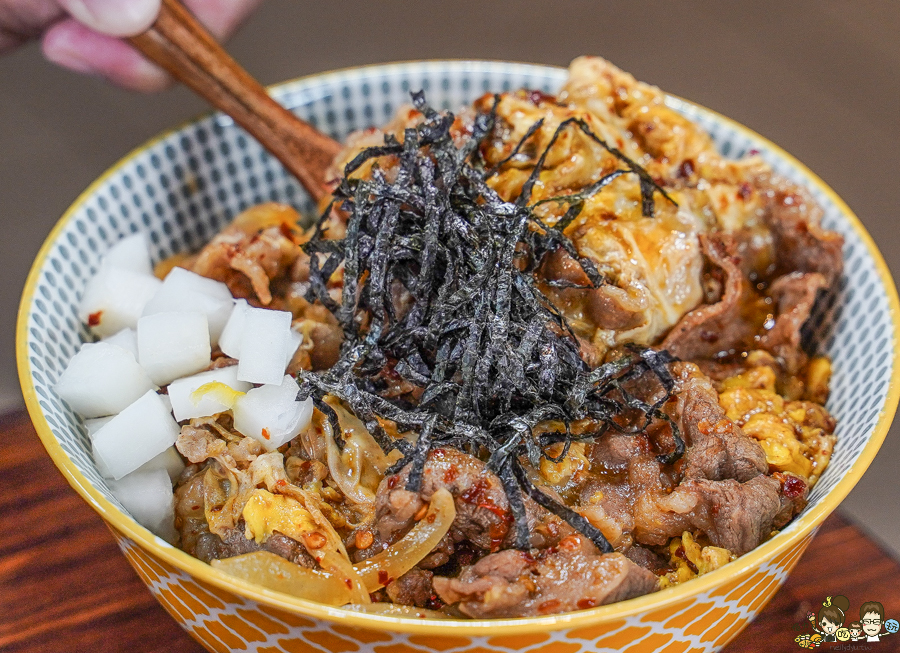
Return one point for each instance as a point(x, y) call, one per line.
point(86, 35)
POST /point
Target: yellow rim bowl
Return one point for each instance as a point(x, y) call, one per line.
point(799, 529)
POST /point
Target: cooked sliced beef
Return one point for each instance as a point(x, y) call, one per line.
point(793, 493)
point(716, 447)
point(608, 306)
point(609, 507)
point(257, 249)
point(571, 576)
point(197, 444)
point(735, 516)
point(212, 547)
point(412, 588)
point(196, 539)
point(719, 487)
point(716, 327)
point(482, 510)
point(801, 245)
point(440, 555)
point(614, 451)
point(795, 295)
point(646, 558)
point(630, 471)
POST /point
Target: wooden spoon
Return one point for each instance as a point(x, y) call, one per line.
point(178, 43)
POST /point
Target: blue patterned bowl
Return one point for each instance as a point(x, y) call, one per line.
point(183, 186)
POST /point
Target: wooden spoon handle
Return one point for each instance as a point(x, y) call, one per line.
point(178, 43)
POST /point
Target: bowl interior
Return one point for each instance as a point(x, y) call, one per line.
point(185, 185)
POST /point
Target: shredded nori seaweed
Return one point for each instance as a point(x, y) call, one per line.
point(440, 292)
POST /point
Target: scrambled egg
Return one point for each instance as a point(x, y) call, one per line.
point(797, 436)
point(265, 513)
point(560, 472)
point(690, 559)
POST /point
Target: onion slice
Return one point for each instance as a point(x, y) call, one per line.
point(346, 475)
point(275, 573)
point(264, 513)
point(403, 555)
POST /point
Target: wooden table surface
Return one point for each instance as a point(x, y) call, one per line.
point(64, 586)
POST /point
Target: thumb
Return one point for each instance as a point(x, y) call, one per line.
point(113, 17)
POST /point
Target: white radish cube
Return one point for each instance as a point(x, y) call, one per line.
point(264, 345)
point(169, 460)
point(271, 414)
point(114, 299)
point(296, 339)
point(101, 466)
point(139, 433)
point(186, 406)
point(171, 345)
point(183, 290)
point(94, 425)
point(130, 253)
point(230, 340)
point(147, 495)
point(126, 339)
point(102, 379)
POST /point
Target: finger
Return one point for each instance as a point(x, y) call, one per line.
point(222, 17)
point(114, 17)
point(74, 46)
point(23, 20)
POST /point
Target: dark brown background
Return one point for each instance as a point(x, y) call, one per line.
point(819, 77)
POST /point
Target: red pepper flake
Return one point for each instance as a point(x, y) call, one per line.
point(497, 510)
point(430, 519)
point(686, 169)
point(383, 578)
point(94, 318)
point(348, 583)
point(434, 602)
point(745, 191)
point(584, 604)
point(793, 487)
point(315, 540)
point(392, 482)
point(265, 434)
point(679, 553)
point(548, 606)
